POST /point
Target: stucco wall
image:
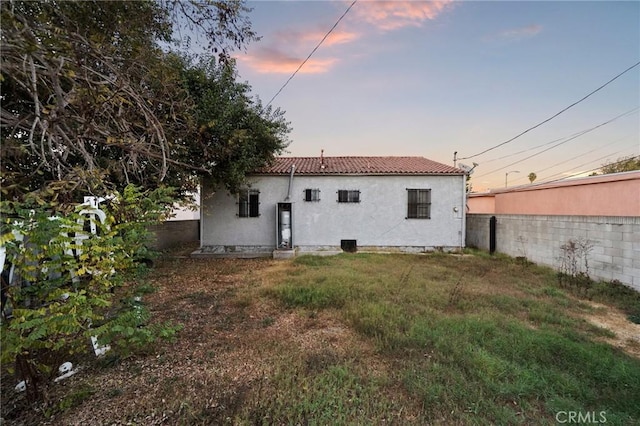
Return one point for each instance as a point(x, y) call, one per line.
point(481, 203)
point(378, 220)
point(615, 194)
point(616, 241)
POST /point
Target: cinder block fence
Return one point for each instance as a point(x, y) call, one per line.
point(175, 232)
point(614, 241)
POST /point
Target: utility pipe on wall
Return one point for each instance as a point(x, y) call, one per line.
point(463, 221)
point(293, 170)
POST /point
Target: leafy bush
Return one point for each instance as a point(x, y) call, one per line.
point(60, 275)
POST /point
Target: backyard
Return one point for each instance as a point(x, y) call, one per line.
point(364, 339)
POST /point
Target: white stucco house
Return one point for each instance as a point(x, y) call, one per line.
point(332, 204)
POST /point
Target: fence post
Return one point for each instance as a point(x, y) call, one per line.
point(492, 234)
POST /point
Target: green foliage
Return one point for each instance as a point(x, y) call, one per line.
point(134, 211)
point(235, 133)
point(623, 164)
point(64, 278)
point(94, 98)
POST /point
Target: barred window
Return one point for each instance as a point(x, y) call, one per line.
point(312, 195)
point(248, 203)
point(419, 204)
point(348, 196)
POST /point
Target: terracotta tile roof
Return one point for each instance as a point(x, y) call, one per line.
point(358, 166)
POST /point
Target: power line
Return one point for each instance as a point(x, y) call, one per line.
point(555, 115)
point(580, 133)
point(312, 52)
point(577, 135)
point(575, 174)
point(609, 145)
point(609, 155)
point(592, 161)
point(525, 187)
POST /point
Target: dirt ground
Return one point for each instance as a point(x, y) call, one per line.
point(230, 341)
point(232, 338)
point(627, 334)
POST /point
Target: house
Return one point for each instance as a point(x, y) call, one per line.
point(333, 204)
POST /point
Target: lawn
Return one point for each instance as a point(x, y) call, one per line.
point(366, 339)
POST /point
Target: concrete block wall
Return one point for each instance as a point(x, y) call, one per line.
point(616, 241)
point(175, 232)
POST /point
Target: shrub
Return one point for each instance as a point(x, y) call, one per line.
point(60, 276)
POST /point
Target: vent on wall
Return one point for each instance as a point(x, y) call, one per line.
point(350, 246)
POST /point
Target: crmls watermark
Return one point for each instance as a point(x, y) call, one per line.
point(581, 417)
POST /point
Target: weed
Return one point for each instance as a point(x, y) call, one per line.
point(321, 360)
point(114, 392)
point(244, 300)
point(523, 258)
point(76, 397)
point(574, 265)
point(312, 261)
point(268, 321)
point(456, 293)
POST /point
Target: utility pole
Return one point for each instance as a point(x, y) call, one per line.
point(506, 175)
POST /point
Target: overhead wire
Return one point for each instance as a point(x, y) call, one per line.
point(609, 145)
point(580, 133)
point(575, 136)
point(554, 115)
point(580, 173)
point(312, 52)
point(589, 162)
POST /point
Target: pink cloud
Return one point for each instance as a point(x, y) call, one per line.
point(391, 15)
point(269, 60)
point(313, 37)
point(285, 50)
point(273, 58)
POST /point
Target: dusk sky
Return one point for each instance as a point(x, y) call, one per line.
point(431, 78)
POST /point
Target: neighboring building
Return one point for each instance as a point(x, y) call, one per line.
point(329, 204)
point(187, 212)
point(616, 194)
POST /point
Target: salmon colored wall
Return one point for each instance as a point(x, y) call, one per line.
point(481, 204)
point(607, 195)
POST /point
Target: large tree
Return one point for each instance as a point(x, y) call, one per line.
point(235, 132)
point(93, 98)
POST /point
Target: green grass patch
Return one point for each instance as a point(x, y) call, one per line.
point(339, 394)
point(509, 349)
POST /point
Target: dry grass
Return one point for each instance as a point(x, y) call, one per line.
point(626, 335)
point(243, 356)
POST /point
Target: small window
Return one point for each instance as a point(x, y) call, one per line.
point(348, 196)
point(419, 204)
point(248, 203)
point(312, 195)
